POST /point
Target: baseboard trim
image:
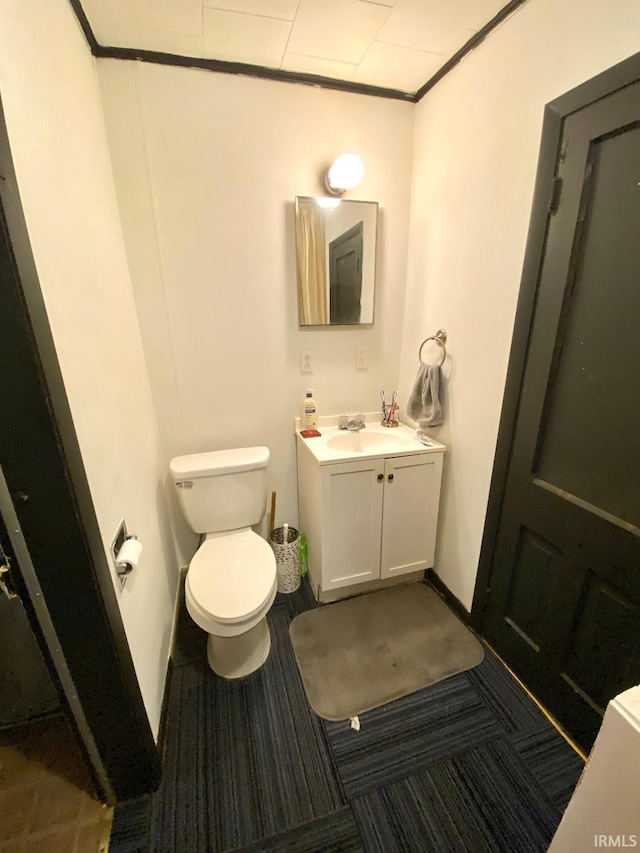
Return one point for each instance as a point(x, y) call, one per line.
point(330, 596)
point(583, 755)
point(162, 726)
point(443, 590)
point(164, 711)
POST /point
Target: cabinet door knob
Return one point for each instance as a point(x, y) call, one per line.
point(390, 477)
point(380, 477)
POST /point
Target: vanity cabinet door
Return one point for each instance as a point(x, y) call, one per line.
point(410, 513)
point(351, 522)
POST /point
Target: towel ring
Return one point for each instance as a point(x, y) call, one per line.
point(440, 338)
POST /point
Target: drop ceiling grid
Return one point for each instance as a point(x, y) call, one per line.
point(396, 44)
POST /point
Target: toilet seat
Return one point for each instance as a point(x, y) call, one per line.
point(232, 576)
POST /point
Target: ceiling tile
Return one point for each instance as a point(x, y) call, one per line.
point(166, 16)
point(477, 13)
point(285, 9)
point(179, 44)
point(389, 43)
point(397, 67)
point(335, 29)
point(315, 65)
point(101, 23)
point(438, 26)
point(462, 39)
point(244, 38)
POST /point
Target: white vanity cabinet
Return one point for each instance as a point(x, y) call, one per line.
point(369, 520)
point(349, 524)
point(410, 513)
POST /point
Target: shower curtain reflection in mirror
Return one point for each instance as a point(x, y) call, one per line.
point(335, 248)
point(312, 267)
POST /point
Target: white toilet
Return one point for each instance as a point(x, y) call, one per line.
point(232, 580)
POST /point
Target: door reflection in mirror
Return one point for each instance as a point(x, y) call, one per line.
point(336, 252)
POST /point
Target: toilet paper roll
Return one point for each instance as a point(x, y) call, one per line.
point(129, 554)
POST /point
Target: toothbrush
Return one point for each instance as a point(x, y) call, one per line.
point(384, 406)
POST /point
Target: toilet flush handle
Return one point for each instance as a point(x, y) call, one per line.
point(184, 484)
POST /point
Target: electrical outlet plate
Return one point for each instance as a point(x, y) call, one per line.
point(306, 361)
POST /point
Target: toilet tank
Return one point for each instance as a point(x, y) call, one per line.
point(222, 489)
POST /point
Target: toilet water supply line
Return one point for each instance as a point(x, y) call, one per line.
point(272, 520)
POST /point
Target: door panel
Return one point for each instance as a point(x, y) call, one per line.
point(352, 514)
point(565, 585)
point(588, 419)
point(410, 511)
point(606, 628)
point(345, 276)
point(26, 687)
point(533, 578)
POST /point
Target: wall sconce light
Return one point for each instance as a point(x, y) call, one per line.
point(345, 173)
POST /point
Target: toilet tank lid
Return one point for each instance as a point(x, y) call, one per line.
point(218, 462)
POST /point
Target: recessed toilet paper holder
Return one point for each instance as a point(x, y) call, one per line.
point(123, 567)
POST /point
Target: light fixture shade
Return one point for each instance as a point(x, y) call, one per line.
point(346, 172)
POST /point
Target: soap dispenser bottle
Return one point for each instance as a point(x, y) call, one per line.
point(308, 412)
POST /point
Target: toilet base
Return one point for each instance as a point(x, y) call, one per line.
point(238, 656)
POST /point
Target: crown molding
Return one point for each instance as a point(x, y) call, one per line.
point(265, 73)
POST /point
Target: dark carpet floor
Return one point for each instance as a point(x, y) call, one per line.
point(468, 764)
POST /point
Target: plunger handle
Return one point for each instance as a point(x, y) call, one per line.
point(272, 522)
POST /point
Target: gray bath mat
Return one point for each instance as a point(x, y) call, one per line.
point(358, 654)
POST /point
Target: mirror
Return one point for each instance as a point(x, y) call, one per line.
point(336, 260)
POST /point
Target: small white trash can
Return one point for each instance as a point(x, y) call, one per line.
point(287, 558)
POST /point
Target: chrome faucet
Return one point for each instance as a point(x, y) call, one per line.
point(353, 423)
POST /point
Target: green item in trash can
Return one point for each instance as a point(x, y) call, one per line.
point(304, 564)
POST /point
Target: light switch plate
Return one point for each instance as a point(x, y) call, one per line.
point(362, 358)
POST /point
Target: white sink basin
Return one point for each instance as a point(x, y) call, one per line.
point(368, 440)
point(374, 442)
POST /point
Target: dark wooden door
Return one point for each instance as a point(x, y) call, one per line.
point(50, 520)
point(345, 276)
point(564, 602)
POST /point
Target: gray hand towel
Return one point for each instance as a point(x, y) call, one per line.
point(424, 401)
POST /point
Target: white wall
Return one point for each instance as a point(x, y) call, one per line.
point(207, 167)
point(476, 148)
point(53, 112)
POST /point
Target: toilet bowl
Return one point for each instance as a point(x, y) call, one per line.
point(231, 581)
point(230, 586)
